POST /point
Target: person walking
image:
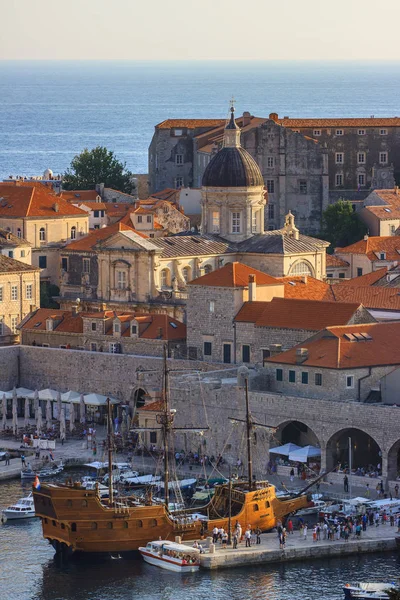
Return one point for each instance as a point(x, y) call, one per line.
point(396, 490)
point(292, 474)
point(346, 484)
point(247, 536)
point(235, 539)
point(290, 526)
point(23, 463)
point(7, 457)
point(258, 535)
point(305, 531)
point(215, 535)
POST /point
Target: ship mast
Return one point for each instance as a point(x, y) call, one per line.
point(249, 428)
point(166, 419)
point(110, 458)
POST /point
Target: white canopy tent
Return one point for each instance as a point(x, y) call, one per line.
point(97, 400)
point(285, 450)
point(303, 454)
point(70, 396)
point(21, 393)
point(46, 394)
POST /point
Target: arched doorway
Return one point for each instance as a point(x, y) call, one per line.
point(296, 432)
point(366, 455)
point(394, 461)
point(139, 397)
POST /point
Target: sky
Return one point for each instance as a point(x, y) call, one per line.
point(199, 30)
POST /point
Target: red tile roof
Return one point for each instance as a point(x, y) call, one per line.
point(189, 123)
point(93, 205)
point(306, 287)
point(76, 196)
point(163, 327)
point(68, 322)
point(332, 350)
point(156, 406)
point(89, 242)
point(335, 261)
point(34, 201)
point(288, 313)
point(371, 297)
point(234, 274)
point(326, 123)
point(374, 244)
point(10, 265)
point(365, 280)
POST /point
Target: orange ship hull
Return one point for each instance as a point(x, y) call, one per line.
point(75, 519)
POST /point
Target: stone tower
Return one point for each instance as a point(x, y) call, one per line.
point(233, 195)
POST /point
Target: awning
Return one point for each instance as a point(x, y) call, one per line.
point(97, 400)
point(303, 454)
point(70, 396)
point(46, 394)
point(21, 393)
point(285, 450)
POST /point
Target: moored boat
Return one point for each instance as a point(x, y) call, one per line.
point(171, 556)
point(23, 509)
point(367, 590)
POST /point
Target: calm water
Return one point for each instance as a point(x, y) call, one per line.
point(28, 572)
point(51, 111)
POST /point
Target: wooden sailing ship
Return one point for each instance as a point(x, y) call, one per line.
point(78, 520)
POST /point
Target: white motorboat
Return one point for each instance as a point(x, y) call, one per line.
point(318, 506)
point(28, 473)
point(23, 509)
point(171, 556)
point(50, 471)
point(367, 590)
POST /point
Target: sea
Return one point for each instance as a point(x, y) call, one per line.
point(50, 111)
point(29, 571)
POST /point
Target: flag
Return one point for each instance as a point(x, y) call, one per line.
point(37, 483)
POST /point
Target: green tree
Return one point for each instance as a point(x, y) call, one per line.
point(47, 291)
point(97, 166)
point(341, 226)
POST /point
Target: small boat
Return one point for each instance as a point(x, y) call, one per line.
point(367, 590)
point(171, 556)
point(50, 471)
point(28, 473)
point(319, 506)
point(23, 509)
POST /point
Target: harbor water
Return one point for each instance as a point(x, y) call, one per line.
point(28, 571)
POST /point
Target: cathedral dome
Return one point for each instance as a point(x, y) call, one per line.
point(232, 167)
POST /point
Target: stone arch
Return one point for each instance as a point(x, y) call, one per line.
point(187, 273)
point(393, 461)
point(302, 267)
point(365, 449)
point(137, 398)
point(297, 432)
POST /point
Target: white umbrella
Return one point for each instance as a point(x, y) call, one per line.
point(62, 424)
point(4, 411)
point(39, 422)
point(49, 418)
point(98, 400)
point(14, 412)
point(71, 417)
point(59, 406)
point(70, 396)
point(303, 454)
point(35, 401)
point(285, 450)
point(26, 413)
point(82, 409)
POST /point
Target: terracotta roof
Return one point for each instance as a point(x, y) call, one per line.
point(389, 244)
point(93, 205)
point(326, 123)
point(288, 313)
point(90, 241)
point(79, 195)
point(335, 261)
point(167, 194)
point(163, 327)
point(365, 280)
point(372, 297)
point(156, 225)
point(119, 210)
point(68, 322)
point(388, 196)
point(306, 287)
point(384, 213)
point(9, 239)
point(234, 274)
point(156, 406)
point(36, 201)
point(331, 349)
point(190, 123)
point(10, 265)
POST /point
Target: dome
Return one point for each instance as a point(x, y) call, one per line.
point(232, 167)
point(47, 174)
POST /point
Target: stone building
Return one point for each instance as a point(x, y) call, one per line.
point(33, 212)
point(19, 295)
point(305, 163)
point(381, 212)
point(370, 254)
point(15, 247)
point(104, 331)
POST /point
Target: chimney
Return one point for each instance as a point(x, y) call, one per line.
point(273, 117)
point(246, 118)
point(56, 207)
point(304, 279)
point(301, 355)
point(396, 190)
point(366, 237)
point(252, 288)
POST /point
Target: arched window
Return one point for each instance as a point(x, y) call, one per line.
point(109, 525)
point(301, 268)
point(94, 525)
point(187, 273)
point(153, 523)
point(19, 232)
point(84, 503)
point(42, 234)
point(165, 278)
point(255, 507)
point(73, 233)
point(126, 525)
point(207, 269)
point(139, 523)
point(73, 526)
